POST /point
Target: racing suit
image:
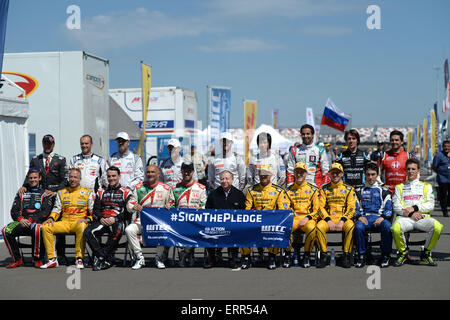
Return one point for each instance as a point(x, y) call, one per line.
point(337, 203)
point(275, 162)
point(304, 199)
point(130, 166)
point(192, 195)
point(232, 163)
point(171, 171)
point(34, 205)
point(394, 166)
point(156, 196)
point(53, 169)
point(72, 204)
point(93, 170)
point(269, 197)
point(374, 202)
point(109, 202)
point(419, 195)
point(316, 160)
point(354, 165)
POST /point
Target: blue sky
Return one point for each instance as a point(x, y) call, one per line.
point(286, 54)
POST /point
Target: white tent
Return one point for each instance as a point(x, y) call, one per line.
point(278, 141)
point(13, 152)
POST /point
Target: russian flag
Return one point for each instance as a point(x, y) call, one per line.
point(334, 118)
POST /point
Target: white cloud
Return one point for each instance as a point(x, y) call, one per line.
point(132, 28)
point(241, 45)
point(284, 8)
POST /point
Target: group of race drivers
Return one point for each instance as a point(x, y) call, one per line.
point(91, 196)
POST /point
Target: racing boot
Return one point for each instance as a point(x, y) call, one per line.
point(305, 263)
point(384, 262)
point(140, 262)
point(360, 261)
point(287, 260)
point(425, 256)
point(401, 259)
point(272, 264)
point(98, 261)
point(324, 260)
point(15, 264)
point(246, 262)
point(346, 260)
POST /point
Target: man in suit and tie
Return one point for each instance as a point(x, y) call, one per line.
point(226, 196)
point(52, 166)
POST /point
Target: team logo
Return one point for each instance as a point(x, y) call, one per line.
point(96, 81)
point(24, 81)
point(395, 165)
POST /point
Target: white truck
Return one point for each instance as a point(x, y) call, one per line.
point(172, 113)
point(67, 94)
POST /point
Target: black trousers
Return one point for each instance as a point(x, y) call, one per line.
point(443, 195)
point(10, 233)
point(95, 230)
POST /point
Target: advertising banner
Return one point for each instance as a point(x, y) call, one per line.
point(250, 114)
point(275, 113)
point(219, 101)
point(146, 86)
point(216, 228)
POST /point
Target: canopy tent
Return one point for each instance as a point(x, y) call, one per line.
point(13, 151)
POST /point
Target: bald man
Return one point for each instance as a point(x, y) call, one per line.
point(152, 193)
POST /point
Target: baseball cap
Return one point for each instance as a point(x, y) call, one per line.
point(187, 166)
point(300, 165)
point(327, 144)
point(336, 166)
point(175, 143)
point(123, 135)
point(265, 169)
point(48, 138)
point(226, 135)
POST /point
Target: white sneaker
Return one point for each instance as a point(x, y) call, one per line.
point(52, 263)
point(140, 262)
point(160, 265)
point(79, 263)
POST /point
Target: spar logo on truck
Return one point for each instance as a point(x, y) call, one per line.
point(24, 81)
point(96, 81)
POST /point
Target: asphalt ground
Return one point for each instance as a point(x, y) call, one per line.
point(409, 282)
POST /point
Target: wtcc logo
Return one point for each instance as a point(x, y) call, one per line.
point(273, 229)
point(155, 227)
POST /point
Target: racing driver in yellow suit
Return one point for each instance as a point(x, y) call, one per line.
point(264, 196)
point(74, 204)
point(337, 208)
point(304, 199)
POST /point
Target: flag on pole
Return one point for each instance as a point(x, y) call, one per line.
point(250, 113)
point(275, 113)
point(434, 131)
point(4, 5)
point(146, 86)
point(333, 117)
point(446, 76)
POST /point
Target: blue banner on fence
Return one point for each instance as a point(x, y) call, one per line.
point(216, 228)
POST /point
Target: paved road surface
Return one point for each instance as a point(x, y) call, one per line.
point(407, 282)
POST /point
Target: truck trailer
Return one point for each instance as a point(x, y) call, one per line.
point(67, 94)
point(172, 113)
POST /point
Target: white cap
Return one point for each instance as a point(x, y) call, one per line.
point(123, 135)
point(175, 143)
point(226, 135)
